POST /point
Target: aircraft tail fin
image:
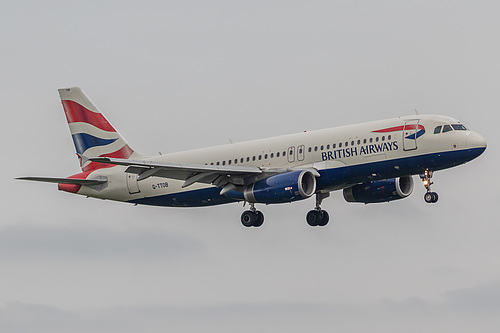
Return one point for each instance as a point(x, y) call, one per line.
point(93, 135)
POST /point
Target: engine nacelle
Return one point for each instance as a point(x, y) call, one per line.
point(284, 187)
point(380, 190)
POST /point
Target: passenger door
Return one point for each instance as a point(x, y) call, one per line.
point(410, 134)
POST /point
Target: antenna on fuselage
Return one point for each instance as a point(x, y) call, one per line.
point(416, 112)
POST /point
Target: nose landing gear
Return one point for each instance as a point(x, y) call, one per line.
point(252, 217)
point(317, 216)
point(429, 197)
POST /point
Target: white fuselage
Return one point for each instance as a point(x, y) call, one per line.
point(343, 156)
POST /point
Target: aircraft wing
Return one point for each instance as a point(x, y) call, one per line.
point(217, 175)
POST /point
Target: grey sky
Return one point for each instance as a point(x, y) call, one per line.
point(176, 75)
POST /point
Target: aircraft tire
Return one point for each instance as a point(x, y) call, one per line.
point(248, 218)
point(313, 218)
point(259, 218)
point(325, 218)
point(431, 197)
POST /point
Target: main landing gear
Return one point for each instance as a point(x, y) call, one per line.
point(429, 197)
point(317, 216)
point(252, 217)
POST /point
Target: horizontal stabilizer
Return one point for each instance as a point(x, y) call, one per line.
point(86, 182)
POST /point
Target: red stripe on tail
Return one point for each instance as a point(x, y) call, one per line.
point(75, 113)
point(124, 153)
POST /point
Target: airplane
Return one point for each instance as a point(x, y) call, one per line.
point(371, 162)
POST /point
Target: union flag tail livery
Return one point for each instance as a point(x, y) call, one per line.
point(370, 162)
point(92, 134)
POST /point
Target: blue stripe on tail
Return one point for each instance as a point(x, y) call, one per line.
point(84, 141)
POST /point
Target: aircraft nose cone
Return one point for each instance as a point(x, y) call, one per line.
point(475, 140)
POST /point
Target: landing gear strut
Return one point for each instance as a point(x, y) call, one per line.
point(317, 216)
point(429, 197)
point(252, 217)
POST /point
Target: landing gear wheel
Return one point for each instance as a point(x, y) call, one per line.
point(259, 219)
point(324, 218)
point(431, 197)
point(248, 218)
point(251, 218)
point(313, 217)
point(317, 218)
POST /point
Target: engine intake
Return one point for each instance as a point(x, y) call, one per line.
point(284, 187)
point(380, 190)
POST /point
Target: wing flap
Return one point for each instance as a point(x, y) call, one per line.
point(192, 173)
point(180, 167)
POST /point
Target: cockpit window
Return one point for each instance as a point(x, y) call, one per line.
point(459, 127)
point(447, 128)
point(437, 130)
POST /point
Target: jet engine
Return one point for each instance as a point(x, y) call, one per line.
point(283, 187)
point(380, 190)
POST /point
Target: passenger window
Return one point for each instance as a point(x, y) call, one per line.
point(248, 159)
point(376, 139)
point(229, 162)
point(334, 145)
point(253, 158)
point(260, 157)
point(310, 149)
point(272, 155)
point(383, 138)
point(346, 144)
point(322, 147)
point(371, 140)
point(352, 143)
point(218, 163)
point(437, 130)
point(364, 141)
point(340, 144)
point(223, 162)
point(278, 154)
point(389, 137)
point(300, 151)
point(265, 156)
point(241, 160)
point(328, 146)
point(359, 142)
point(284, 153)
point(316, 148)
point(447, 128)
